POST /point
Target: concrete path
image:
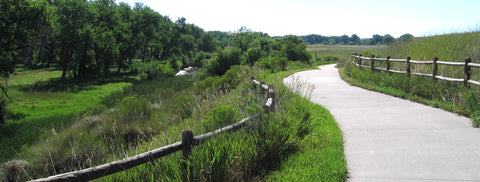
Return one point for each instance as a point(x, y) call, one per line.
point(390, 139)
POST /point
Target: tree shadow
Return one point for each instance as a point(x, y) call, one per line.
point(75, 85)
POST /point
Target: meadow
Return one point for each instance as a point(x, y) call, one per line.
point(41, 103)
point(443, 94)
point(142, 114)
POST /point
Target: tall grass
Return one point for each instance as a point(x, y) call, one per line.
point(153, 113)
point(450, 96)
point(271, 147)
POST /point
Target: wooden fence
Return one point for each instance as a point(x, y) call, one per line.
point(408, 62)
point(188, 141)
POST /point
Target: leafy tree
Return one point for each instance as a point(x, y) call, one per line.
point(388, 39)
point(243, 38)
point(354, 39)
point(207, 42)
point(295, 49)
point(406, 37)
point(19, 20)
point(252, 55)
point(223, 61)
point(345, 39)
point(376, 39)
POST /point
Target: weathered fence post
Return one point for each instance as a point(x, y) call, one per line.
point(355, 59)
point(388, 64)
point(360, 61)
point(187, 143)
point(435, 68)
point(408, 66)
point(271, 94)
point(467, 72)
point(372, 63)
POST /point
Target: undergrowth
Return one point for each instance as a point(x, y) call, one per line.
point(153, 113)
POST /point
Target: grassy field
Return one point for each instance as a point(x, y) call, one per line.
point(338, 51)
point(117, 123)
point(41, 104)
point(447, 95)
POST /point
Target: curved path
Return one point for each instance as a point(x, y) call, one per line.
point(391, 139)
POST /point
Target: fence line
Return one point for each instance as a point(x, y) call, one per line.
point(435, 62)
point(188, 141)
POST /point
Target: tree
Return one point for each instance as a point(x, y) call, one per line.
point(207, 42)
point(355, 39)
point(243, 38)
point(345, 39)
point(295, 49)
point(19, 20)
point(388, 39)
point(376, 39)
point(406, 37)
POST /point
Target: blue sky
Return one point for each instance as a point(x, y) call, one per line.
point(326, 17)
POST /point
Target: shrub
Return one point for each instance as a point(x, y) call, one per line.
point(221, 116)
point(132, 108)
point(273, 64)
point(15, 170)
point(224, 60)
point(155, 69)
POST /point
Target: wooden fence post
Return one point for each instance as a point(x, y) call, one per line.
point(271, 94)
point(388, 64)
point(187, 143)
point(435, 68)
point(467, 72)
point(360, 61)
point(372, 63)
point(408, 66)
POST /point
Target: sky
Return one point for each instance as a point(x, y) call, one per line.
point(325, 17)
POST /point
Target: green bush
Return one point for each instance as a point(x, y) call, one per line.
point(155, 69)
point(223, 61)
point(221, 116)
point(274, 64)
point(132, 108)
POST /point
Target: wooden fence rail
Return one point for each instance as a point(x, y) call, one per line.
point(188, 141)
point(435, 62)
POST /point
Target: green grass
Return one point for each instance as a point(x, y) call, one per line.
point(153, 113)
point(340, 51)
point(43, 104)
point(320, 156)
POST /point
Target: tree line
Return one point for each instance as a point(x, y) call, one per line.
point(93, 38)
point(354, 39)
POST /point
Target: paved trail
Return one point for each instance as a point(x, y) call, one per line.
point(390, 139)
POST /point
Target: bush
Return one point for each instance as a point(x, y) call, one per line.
point(155, 69)
point(221, 116)
point(15, 170)
point(132, 108)
point(274, 64)
point(230, 79)
point(224, 60)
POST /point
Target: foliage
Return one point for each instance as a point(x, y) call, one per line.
point(272, 64)
point(3, 111)
point(155, 69)
point(223, 61)
point(354, 39)
point(294, 48)
point(15, 170)
point(221, 116)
